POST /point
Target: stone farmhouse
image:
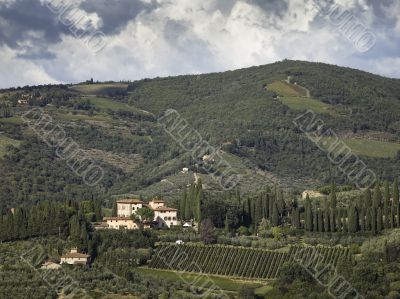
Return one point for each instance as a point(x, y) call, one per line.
point(74, 257)
point(121, 222)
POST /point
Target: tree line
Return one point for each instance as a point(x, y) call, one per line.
point(70, 218)
point(373, 211)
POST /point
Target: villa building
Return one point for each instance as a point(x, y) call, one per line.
point(163, 216)
point(127, 207)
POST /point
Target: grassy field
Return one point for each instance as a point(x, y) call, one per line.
point(222, 282)
point(76, 117)
point(98, 89)
point(4, 141)
point(370, 148)
point(263, 291)
point(301, 103)
point(285, 89)
point(11, 120)
point(104, 103)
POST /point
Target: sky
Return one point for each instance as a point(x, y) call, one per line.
point(70, 41)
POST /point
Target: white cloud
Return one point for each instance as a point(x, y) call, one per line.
point(14, 72)
point(194, 36)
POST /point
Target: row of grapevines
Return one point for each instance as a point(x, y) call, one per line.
point(221, 260)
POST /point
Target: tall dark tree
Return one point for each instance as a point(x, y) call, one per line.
point(395, 194)
point(320, 220)
point(362, 219)
point(114, 211)
point(182, 205)
point(327, 214)
point(207, 231)
point(386, 205)
point(352, 219)
point(377, 199)
point(379, 220)
point(373, 219)
point(308, 215)
point(275, 215)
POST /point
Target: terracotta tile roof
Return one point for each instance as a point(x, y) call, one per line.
point(129, 201)
point(117, 218)
point(158, 200)
point(165, 209)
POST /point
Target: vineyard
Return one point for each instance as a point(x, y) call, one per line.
point(238, 261)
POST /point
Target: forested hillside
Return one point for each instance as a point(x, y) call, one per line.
point(239, 112)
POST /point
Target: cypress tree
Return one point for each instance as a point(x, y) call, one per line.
point(326, 218)
point(226, 223)
point(379, 220)
point(74, 230)
point(377, 201)
point(345, 221)
point(395, 193)
point(97, 210)
point(295, 214)
point(320, 221)
point(338, 219)
point(332, 218)
point(182, 205)
point(190, 202)
point(386, 200)
point(275, 216)
point(350, 219)
point(258, 209)
point(308, 215)
point(367, 198)
point(83, 238)
point(362, 219)
point(2, 226)
point(199, 200)
point(265, 205)
point(114, 212)
point(253, 210)
point(280, 202)
point(392, 217)
point(271, 204)
point(373, 219)
point(315, 220)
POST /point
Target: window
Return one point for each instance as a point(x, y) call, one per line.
point(165, 218)
point(173, 218)
point(169, 218)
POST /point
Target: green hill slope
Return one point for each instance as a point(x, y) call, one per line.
point(234, 111)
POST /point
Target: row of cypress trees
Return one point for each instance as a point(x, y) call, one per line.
point(373, 211)
point(190, 204)
point(50, 218)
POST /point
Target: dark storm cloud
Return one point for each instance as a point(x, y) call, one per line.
point(277, 7)
point(116, 14)
point(24, 16)
point(28, 26)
